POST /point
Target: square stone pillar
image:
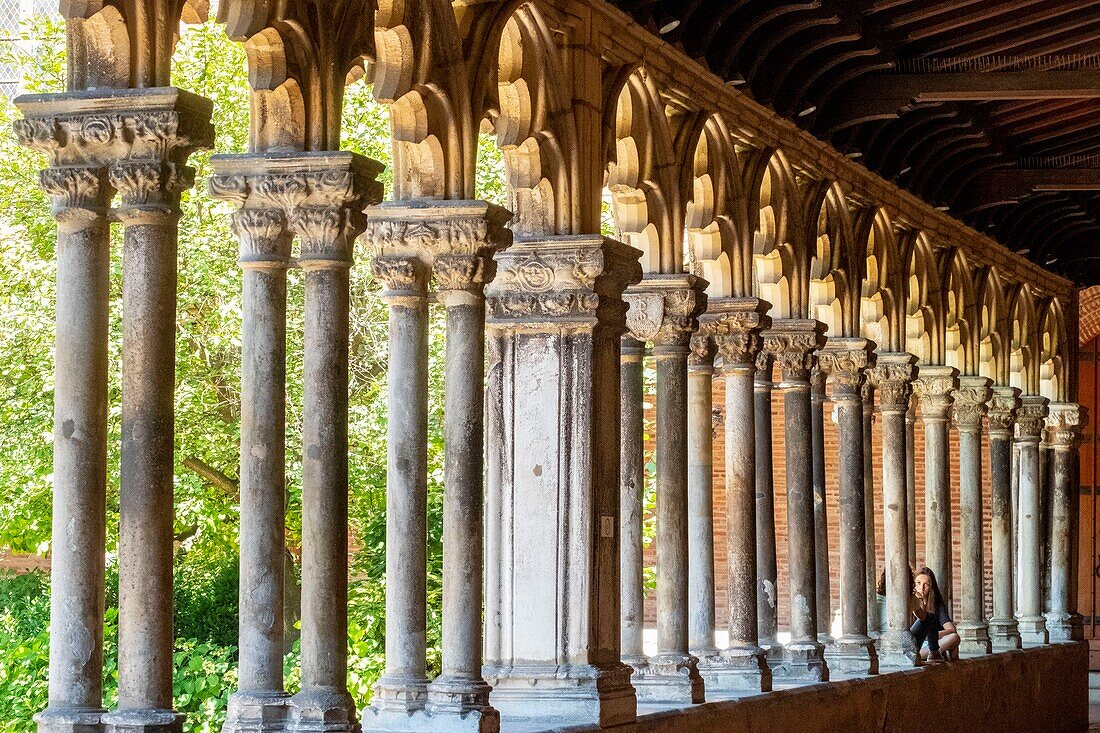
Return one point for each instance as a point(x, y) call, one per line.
point(555, 319)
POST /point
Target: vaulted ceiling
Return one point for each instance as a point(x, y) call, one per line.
point(988, 108)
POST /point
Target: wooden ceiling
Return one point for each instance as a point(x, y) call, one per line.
point(988, 108)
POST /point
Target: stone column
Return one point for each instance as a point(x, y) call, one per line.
point(81, 198)
point(821, 514)
point(632, 510)
point(935, 385)
point(911, 478)
point(1003, 629)
point(893, 378)
point(793, 343)
point(1030, 421)
point(845, 360)
point(1064, 426)
point(970, 407)
point(874, 620)
point(556, 316)
point(742, 666)
point(700, 448)
point(1015, 489)
point(767, 566)
point(664, 309)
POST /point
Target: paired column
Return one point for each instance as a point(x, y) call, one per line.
point(845, 362)
point(81, 198)
point(1030, 420)
point(1064, 425)
point(412, 241)
point(632, 508)
point(767, 564)
point(742, 666)
point(874, 613)
point(911, 477)
point(664, 309)
point(1003, 629)
point(821, 514)
point(936, 385)
point(793, 343)
point(700, 436)
point(970, 408)
point(893, 377)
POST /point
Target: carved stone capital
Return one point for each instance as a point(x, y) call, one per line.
point(562, 282)
point(793, 343)
point(735, 324)
point(1065, 422)
point(971, 398)
point(150, 186)
point(1031, 417)
point(263, 237)
point(405, 279)
point(702, 351)
point(665, 309)
point(1002, 411)
point(844, 361)
point(892, 377)
point(78, 193)
point(936, 385)
point(765, 364)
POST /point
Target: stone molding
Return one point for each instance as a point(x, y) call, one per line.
point(1002, 411)
point(1064, 424)
point(845, 361)
point(793, 342)
point(892, 377)
point(1031, 417)
point(936, 386)
point(665, 309)
point(971, 399)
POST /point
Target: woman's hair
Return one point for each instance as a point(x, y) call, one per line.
point(935, 585)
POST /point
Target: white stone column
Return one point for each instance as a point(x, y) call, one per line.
point(664, 309)
point(1064, 425)
point(632, 508)
point(893, 378)
point(970, 407)
point(1003, 629)
point(556, 316)
point(874, 620)
point(742, 666)
point(81, 197)
point(845, 361)
point(767, 567)
point(935, 385)
point(1030, 420)
point(700, 448)
point(821, 512)
point(793, 343)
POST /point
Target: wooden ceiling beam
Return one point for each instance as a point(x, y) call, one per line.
point(1001, 187)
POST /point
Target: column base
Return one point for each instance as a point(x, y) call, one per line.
point(1065, 627)
point(143, 721)
point(897, 650)
point(457, 703)
point(1004, 634)
point(974, 638)
point(737, 669)
point(322, 710)
point(670, 679)
point(705, 653)
point(853, 655)
point(574, 694)
point(398, 693)
point(773, 651)
point(1033, 630)
point(423, 721)
point(70, 720)
point(803, 661)
point(256, 712)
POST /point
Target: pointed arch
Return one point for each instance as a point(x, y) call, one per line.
point(776, 271)
point(829, 275)
point(1054, 355)
point(923, 303)
point(990, 342)
point(882, 290)
point(1023, 349)
point(959, 314)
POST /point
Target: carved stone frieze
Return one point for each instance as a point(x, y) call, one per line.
point(792, 343)
point(892, 377)
point(1002, 411)
point(1031, 417)
point(971, 400)
point(665, 309)
point(936, 385)
point(1065, 422)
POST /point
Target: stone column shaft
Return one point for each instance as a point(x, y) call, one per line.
point(821, 513)
point(874, 621)
point(911, 478)
point(1064, 425)
point(633, 502)
point(893, 380)
point(700, 449)
point(935, 386)
point(767, 564)
point(970, 408)
point(1003, 628)
point(1029, 422)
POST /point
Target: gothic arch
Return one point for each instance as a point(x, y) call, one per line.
point(1053, 353)
point(882, 291)
point(923, 303)
point(830, 265)
point(775, 270)
point(990, 342)
point(960, 307)
point(1023, 347)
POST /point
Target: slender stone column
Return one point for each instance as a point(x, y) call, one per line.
point(767, 565)
point(1003, 629)
point(821, 514)
point(793, 343)
point(81, 198)
point(1015, 488)
point(893, 378)
point(556, 316)
point(935, 385)
point(742, 666)
point(970, 407)
point(632, 510)
point(1029, 422)
point(911, 479)
point(874, 620)
point(664, 309)
point(1064, 431)
point(700, 435)
point(845, 360)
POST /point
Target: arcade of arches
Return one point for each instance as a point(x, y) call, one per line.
point(848, 381)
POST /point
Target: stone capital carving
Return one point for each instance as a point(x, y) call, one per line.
point(263, 237)
point(665, 309)
point(1064, 424)
point(936, 385)
point(404, 279)
point(793, 343)
point(892, 377)
point(971, 399)
point(844, 363)
point(78, 193)
point(764, 367)
point(572, 281)
point(702, 351)
point(735, 324)
point(1002, 411)
point(1031, 417)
